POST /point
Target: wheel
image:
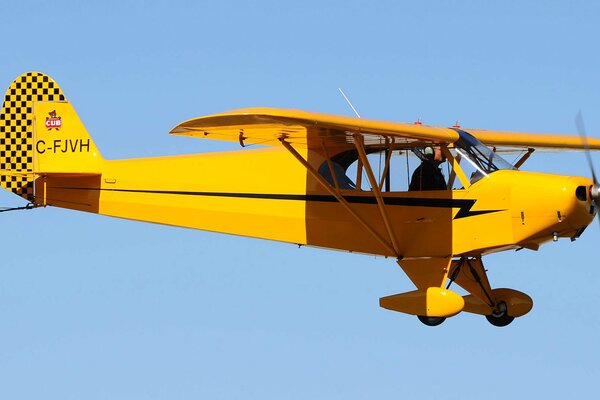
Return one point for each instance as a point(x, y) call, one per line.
point(431, 321)
point(500, 316)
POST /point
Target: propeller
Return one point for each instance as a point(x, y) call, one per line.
point(595, 189)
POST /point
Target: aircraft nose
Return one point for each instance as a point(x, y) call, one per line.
point(594, 192)
point(580, 210)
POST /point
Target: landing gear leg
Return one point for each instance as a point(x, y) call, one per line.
point(499, 306)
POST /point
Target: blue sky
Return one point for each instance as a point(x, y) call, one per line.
point(100, 308)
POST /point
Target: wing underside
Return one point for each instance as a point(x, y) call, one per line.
point(268, 126)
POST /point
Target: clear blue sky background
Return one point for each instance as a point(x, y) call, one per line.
point(100, 308)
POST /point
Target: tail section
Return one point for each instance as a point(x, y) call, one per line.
point(41, 134)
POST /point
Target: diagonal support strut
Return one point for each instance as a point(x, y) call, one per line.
point(359, 144)
point(338, 196)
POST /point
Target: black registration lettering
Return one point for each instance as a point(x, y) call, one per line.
point(40, 150)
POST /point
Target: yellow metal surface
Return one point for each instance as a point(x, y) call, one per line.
point(532, 140)
point(430, 302)
point(426, 272)
point(67, 148)
point(16, 130)
point(267, 125)
point(210, 192)
point(517, 303)
point(277, 193)
point(338, 196)
point(474, 305)
point(268, 194)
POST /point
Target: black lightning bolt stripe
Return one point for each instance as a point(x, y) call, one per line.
point(464, 205)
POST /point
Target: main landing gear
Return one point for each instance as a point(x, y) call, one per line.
point(500, 316)
point(432, 303)
point(499, 306)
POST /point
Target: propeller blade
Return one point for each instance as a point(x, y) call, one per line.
point(595, 190)
point(583, 134)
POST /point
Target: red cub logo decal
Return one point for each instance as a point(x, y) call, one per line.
point(53, 122)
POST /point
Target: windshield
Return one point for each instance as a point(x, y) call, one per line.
point(484, 160)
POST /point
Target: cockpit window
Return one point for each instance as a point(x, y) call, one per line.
point(394, 168)
point(484, 160)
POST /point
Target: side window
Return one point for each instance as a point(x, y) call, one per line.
point(393, 170)
point(393, 178)
point(335, 174)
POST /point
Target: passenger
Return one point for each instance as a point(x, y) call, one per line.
point(428, 175)
point(340, 174)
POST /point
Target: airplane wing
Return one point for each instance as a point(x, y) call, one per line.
point(266, 126)
point(524, 140)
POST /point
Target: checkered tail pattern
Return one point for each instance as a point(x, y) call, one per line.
point(16, 130)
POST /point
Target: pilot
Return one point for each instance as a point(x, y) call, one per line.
point(428, 175)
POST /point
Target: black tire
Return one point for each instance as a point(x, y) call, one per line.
point(431, 321)
point(500, 321)
point(500, 318)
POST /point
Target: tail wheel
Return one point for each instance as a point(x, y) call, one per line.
point(500, 315)
point(431, 321)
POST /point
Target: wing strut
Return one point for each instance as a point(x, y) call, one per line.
point(385, 176)
point(359, 143)
point(337, 195)
point(524, 157)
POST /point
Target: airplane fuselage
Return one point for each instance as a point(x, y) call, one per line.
point(267, 194)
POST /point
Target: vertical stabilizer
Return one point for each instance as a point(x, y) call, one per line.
point(40, 133)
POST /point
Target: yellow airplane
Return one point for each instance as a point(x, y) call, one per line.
point(319, 180)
